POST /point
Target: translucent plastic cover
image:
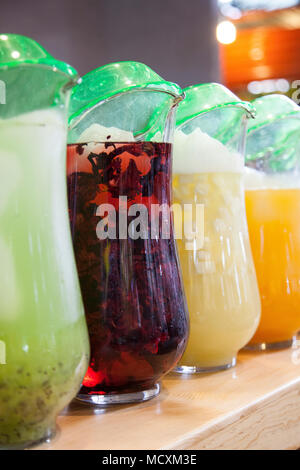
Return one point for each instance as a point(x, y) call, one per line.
point(126, 96)
point(111, 79)
point(30, 77)
point(274, 136)
point(200, 99)
point(16, 50)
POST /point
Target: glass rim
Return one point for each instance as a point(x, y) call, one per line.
point(72, 75)
point(55, 66)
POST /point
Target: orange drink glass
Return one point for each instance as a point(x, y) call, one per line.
point(273, 211)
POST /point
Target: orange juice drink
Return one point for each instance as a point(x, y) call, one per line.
point(219, 277)
point(273, 212)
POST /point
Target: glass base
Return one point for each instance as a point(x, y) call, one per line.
point(271, 346)
point(47, 438)
point(204, 370)
point(121, 398)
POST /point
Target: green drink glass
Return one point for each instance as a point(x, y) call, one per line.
point(43, 338)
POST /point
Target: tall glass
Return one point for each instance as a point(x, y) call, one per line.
point(217, 267)
point(119, 179)
point(43, 338)
point(273, 206)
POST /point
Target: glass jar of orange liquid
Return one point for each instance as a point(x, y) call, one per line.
point(272, 182)
point(213, 243)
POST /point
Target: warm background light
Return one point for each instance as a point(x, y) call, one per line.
point(264, 56)
point(226, 32)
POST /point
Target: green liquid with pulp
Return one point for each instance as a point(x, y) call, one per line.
point(42, 326)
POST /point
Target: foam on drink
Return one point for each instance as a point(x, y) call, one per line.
point(197, 152)
point(98, 133)
point(254, 179)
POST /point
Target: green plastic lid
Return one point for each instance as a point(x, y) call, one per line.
point(207, 97)
point(117, 78)
point(33, 78)
point(216, 111)
point(273, 142)
point(126, 95)
point(16, 50)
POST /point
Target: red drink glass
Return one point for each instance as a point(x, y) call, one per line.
point(119, 186)
point(132, 289)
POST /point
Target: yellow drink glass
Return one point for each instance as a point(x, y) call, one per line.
point(219, 275)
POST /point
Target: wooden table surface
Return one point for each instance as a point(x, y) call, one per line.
point(254, 406)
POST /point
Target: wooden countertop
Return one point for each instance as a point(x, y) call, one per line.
point(254, 406)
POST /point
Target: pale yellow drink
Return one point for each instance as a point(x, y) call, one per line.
point(219, 278)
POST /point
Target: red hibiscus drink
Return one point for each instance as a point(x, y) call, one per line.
point(121, 127)
point(128, 267)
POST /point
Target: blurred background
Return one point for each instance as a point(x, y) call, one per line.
point(259, 46)
point(249, 45)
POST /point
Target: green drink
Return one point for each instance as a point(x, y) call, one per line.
point(43, 338)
